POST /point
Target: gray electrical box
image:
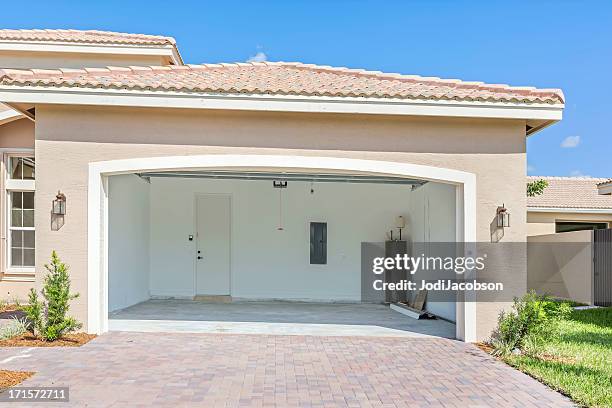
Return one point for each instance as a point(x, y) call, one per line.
point(318, 243)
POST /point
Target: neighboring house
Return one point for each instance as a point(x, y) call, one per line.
point(566, 258)
point(570, 204)
point(167, 172)
point(49, 49)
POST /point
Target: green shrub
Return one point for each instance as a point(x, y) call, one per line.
point(533, 319)
point(48, 318)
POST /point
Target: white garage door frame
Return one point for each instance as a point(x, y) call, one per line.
point(97, 270)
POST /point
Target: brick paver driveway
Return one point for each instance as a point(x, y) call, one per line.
point(232, 370)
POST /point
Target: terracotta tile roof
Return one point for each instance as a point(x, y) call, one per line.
point(570, 192)
point(605, 183)
point(84, 36)
point(280, 78)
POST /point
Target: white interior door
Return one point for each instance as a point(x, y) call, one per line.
point(213, 245)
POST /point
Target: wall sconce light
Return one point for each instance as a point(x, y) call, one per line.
point(59, 204)
point(503, 217)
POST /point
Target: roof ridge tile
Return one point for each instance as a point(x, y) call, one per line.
point(567, 177)
point(113, 68)
point(96, 70)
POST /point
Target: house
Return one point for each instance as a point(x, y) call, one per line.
point(570, 204)
point(569, 237)
point(246, 180)
point(605, 187)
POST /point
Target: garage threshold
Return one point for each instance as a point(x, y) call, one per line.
point(275, 318)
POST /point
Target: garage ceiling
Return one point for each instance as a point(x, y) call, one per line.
point(286, 176)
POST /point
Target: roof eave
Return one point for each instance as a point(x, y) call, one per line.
point(283, 103)
point(162, 50)
point(177, 59)
point(577, 210)
point(534, 126)
point(9, 115)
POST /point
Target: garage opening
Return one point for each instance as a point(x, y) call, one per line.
point(265, 251)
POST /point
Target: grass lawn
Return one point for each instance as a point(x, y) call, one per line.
point(579, 362)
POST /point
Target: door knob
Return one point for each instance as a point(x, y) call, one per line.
point(200, 257)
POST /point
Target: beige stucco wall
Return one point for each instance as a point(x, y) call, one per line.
point(11, 291)
point(49, 60)
point(542, 223)
point(68, 138)
point(17, 134)
point(561, 265)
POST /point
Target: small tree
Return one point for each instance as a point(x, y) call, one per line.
point(536, 187)
point(48, 318)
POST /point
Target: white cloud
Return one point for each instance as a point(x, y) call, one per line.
point(570, 142)
point(530, 168)
point(259, 57)
point(578, 173)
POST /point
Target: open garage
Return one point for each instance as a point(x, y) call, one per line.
point(187, 249)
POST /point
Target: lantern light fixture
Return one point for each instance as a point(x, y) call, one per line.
point(59, 204)
point(503, 217)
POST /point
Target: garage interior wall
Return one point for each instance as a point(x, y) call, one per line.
point(265, 263)
point(128, 252)
point(432, 219)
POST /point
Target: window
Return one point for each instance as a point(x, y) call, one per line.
point(22, 228)
point(568, 226)
point(19, 180)
point(21, 168)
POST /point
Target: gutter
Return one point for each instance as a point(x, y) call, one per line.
point(570, 210)
point(161, 50)
point(278, 103)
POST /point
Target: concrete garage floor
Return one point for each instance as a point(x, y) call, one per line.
point(274, 318)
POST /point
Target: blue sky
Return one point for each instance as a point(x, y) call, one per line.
point(561, 44)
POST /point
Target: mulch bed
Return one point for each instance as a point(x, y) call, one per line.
point(484, 347)
point(12, 378)
point(542, 356)
point(10, 306)
point(68, 340)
